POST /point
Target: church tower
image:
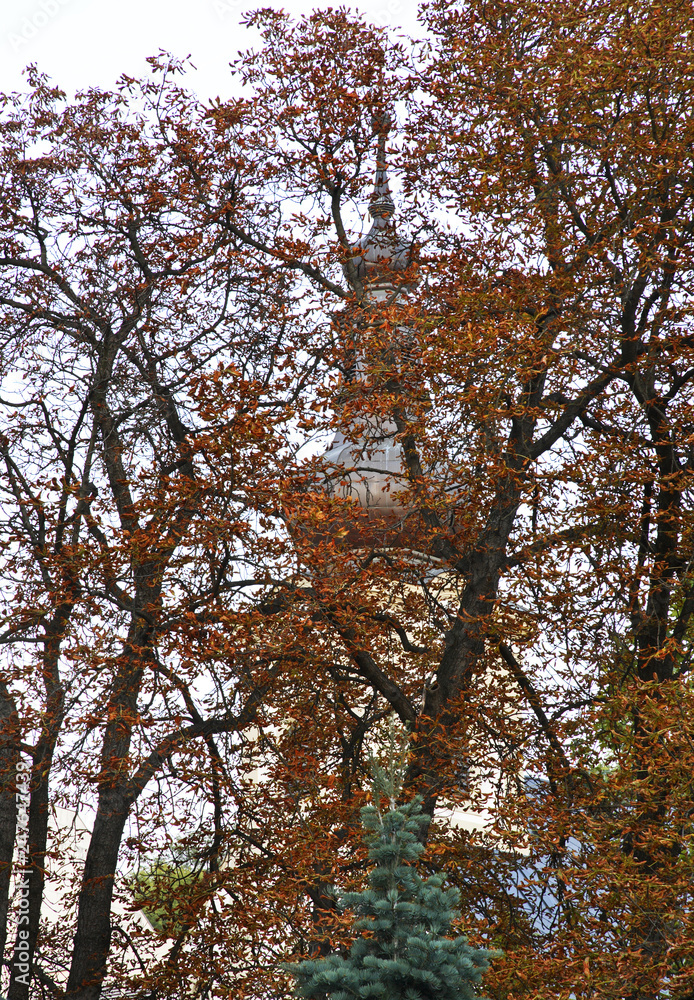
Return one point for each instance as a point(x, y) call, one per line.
point(365, 461)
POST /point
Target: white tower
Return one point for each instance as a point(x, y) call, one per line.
point(365, 459)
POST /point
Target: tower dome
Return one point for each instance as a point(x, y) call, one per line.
point(369, 472)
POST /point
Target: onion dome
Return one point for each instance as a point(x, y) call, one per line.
point(368, 472)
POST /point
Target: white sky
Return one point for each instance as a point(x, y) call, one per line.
point(80, 43)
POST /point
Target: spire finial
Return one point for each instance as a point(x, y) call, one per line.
point(381, 252)
point(381, 205)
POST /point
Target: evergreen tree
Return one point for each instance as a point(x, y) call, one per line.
point(402, 952)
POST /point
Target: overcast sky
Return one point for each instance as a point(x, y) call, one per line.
point(91, 42)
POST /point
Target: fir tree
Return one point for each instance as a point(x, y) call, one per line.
point(402, 951)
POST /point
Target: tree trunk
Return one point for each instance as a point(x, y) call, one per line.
point(93, 935)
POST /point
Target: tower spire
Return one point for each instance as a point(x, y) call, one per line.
point(381, 206)
point(365, 461)
point(381, 252)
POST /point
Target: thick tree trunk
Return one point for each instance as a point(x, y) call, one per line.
point(93, 936)
point(465, 644)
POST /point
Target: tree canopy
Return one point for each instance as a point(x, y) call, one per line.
point(204, 636)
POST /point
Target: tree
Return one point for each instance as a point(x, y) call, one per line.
point(118, 290)
point(403, 947)
point(552, 474)
point(184, 311)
